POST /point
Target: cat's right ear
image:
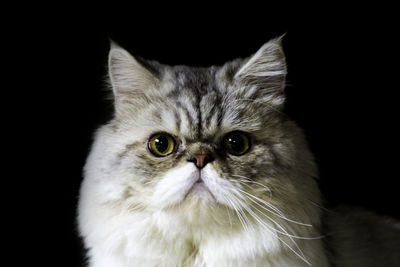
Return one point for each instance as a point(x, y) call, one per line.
point(129, 78)
point(262, 76)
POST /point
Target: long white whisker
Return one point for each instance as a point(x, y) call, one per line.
point(246, 180)
point(235, 195)
point(285, 232)
point(237, 213)
point(263, 201)
point(257, 183)
point(270, 205)
point(229, 216)
point(238, 200)
point(279, 213)
point(300, 254)
point(150, 182)
point(273, 231)
point(133, 206)
point(266, 225)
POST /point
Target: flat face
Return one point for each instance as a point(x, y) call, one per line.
point(207, 150)
point(201, 112)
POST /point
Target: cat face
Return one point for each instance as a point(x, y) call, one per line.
point(202, 142)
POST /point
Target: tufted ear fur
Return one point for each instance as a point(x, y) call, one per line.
point(129, 78)
point(263, 74)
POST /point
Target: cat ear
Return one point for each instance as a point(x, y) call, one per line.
point(129, 78)
point(263, 74)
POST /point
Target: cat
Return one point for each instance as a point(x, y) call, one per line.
point(201, 167)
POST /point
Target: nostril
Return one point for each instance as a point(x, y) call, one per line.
point(208, 159)
point(201, 160)
point(192, 159)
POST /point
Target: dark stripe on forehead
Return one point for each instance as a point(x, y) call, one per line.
point(157, 115)
point(177, 121)
point(221, 114)
point(186, 111)
point(175, 93)
point(198, 127)
point(215, 111)
point(192, 84)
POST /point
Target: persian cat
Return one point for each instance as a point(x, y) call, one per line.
point(201, 167)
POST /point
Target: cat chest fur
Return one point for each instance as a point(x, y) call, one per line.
point(147, 245)
point(141, 203)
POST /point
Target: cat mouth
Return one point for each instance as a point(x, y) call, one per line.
point(199, 189)
point(199, 181)
point(199, 185)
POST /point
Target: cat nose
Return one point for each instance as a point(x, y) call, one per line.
point(200, 160)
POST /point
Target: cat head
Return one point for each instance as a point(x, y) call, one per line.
point(199, 143)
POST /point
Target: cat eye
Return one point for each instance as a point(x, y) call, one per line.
point(161, 144)
point(236, 143)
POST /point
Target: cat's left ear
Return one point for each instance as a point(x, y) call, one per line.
point(130, 79)
point(263, 74)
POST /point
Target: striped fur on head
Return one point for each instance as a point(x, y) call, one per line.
point(258, 207)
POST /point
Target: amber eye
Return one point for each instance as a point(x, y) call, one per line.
point(236, 143)
point(161, 144)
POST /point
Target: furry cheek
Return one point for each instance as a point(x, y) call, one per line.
point(222, 189)
point(174, 185)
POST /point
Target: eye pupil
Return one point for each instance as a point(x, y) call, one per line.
point(236, 143)
point(161, 143)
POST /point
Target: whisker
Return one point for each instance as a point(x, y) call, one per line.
point(249, 186)
point(285, 232)
point(278, 212)
point(150, 182)
point(248, 180)
point(132, 207)
point(319, 206)
point(268, 204)
point(273, 232)
point(237, 212)
point(229, 216)
point(266, 225)
point(233, 194)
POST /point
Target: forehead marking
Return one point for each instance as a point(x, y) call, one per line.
point(177, 121)
point(195, 105)
point(184, 111)
point(211, 117)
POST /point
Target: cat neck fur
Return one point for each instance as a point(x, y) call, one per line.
point(260, 209)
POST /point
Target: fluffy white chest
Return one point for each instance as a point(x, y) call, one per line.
point(143, 244)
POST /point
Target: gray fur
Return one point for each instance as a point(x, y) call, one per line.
point(198, 107)
point(357, 237)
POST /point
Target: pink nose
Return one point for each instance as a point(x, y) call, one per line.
point(201, 160)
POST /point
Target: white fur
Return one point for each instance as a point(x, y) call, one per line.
point(171, 220)
point(174, 185)
point(265, 61)
point(119, 238)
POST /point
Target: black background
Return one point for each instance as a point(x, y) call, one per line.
point(342, 85)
